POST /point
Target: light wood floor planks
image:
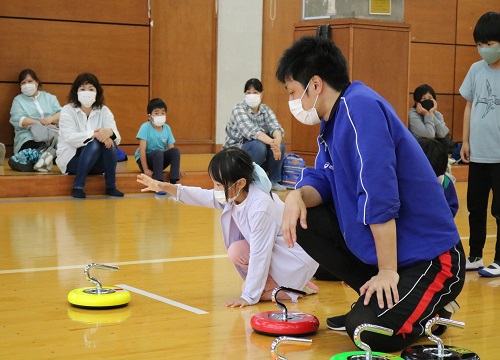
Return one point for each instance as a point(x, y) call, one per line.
point(173, 252)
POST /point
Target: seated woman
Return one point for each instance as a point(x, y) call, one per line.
point(88, 136)
point(33, 109)
point(425, 121)
point(255, 128)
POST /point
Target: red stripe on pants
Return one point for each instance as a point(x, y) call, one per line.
point(434, 287)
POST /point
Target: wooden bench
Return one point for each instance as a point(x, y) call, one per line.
point(15, 184)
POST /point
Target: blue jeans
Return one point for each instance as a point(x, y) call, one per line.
point(262, 155)
point(94, 158)
point(159, 160)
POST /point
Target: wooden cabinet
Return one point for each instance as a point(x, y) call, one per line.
point(377, 54)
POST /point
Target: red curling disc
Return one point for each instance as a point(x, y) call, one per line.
point(297, 323)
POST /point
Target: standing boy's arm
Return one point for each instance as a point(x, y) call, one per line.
point(465, 151)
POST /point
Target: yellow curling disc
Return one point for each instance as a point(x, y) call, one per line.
point(110, 296)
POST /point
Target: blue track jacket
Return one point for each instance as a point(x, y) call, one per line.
point(373, 169)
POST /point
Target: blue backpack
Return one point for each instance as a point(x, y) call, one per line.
point(292, 170)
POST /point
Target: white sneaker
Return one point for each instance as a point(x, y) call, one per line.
point(278, 187)
point(474, 263)
point(492, 270)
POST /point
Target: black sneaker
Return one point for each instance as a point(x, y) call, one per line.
point(114, 192)
point(336, 322)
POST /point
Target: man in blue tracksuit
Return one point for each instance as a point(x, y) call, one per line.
point(371, 211)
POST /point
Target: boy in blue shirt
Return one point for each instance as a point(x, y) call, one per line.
point(370, 211)
point(481, 136)
point(156, 145)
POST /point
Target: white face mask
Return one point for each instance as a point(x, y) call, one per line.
point(29, 89)
point(252, 100)
point(220, 195)
point(86, 98)
point(159, 120)
point(307, 117)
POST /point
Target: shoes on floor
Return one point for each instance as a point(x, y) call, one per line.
point(336, 322)
point(78, 193)
point(278, 187)
point(474, 263)
point(492, 270)
point(114, 192)
point(44, 163)
point(447, 312)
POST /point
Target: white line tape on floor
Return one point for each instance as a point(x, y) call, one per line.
point(162, 299)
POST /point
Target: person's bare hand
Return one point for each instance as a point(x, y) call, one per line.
point(383, 285)
point(465, 152)
point(151, 184)
point(236, 302)
point(295, 209)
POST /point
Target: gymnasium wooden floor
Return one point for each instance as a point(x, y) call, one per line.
point(173, 254)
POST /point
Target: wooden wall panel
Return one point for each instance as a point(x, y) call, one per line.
point(466, 56)
point(432, 21)
point(458, 116)
point(109, 11)
point(277, 37)
point(375, 49)
point(183, 66)
point(468, 12)
point(61, 50)
point(432, 64)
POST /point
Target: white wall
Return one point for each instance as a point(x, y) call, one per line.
point(239, 55)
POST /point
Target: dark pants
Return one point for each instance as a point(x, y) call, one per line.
point(159, 160)
point(93, 158)
point(262, 155)
point(424, 289)
point(482, 179)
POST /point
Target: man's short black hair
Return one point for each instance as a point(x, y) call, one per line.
point(156, 103)
point(311, 56)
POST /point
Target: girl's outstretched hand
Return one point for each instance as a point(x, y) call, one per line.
point(151, 184)
point(236, 302)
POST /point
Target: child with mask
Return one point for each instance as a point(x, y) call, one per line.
point(251, 226)
point(254, 127)
point(156, 145)
point(481, 136)
point(425, 121)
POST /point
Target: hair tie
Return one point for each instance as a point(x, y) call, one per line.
point(260, 178)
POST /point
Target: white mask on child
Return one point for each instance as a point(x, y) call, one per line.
point(159, 120)
point(86, 98)
point(220, 195)
point(307, 117)
point(28, 89)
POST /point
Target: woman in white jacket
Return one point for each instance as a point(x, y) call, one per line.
point(251, 226)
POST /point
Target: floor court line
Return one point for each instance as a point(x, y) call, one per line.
point(137, 262)
point(162, 299)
